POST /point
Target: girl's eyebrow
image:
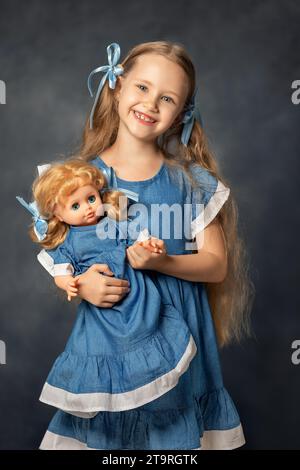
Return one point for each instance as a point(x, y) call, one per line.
point(149, 83)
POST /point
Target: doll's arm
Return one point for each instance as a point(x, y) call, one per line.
point(67, 283)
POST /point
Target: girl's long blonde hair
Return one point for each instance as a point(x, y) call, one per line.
point(56, 184)
point(230, 300)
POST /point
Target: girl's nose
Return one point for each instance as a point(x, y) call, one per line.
point(151, 106)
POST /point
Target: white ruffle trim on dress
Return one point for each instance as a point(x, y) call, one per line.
point(228, 439)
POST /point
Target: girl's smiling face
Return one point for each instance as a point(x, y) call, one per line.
point(82, 207)
point(156, 89)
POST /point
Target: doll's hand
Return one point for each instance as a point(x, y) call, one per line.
point(153, 244)
point(150, 257)
point(72, 288)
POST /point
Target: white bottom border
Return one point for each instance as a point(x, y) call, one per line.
point(212, 440)
point(87, 405)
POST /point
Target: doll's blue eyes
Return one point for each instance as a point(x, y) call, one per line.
point(76, 205)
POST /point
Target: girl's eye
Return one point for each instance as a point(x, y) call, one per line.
point(169, 98)
point(75, 206)
point(141, 86)
point(92, 199)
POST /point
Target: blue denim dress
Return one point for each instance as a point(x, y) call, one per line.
point(198, 412)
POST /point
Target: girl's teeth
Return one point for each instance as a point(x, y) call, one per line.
point(141, 116)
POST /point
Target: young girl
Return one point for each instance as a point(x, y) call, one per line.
point(142, 131)
point(116, 358)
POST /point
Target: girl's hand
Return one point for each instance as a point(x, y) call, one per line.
point(101, 290)
point(150, 257)
point(71, 288)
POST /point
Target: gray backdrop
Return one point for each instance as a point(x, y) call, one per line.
point(247, 56)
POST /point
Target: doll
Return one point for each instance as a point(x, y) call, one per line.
point(116, 358)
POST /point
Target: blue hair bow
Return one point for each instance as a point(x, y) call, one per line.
point(40, 225)
point(192, 113)
point(113, 69)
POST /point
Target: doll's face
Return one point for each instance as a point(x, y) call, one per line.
point(157, 87)
point(82, 207)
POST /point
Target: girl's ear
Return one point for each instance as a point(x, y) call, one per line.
point(118, 88)
point(178, 119)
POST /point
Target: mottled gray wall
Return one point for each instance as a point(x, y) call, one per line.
point(247, 56)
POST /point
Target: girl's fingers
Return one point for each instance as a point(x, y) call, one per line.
point(101, 268)
point(116, 282)
point(133, 259)
point(112, 298)
point(133, 252)
point(139, 254)
point(116, 290)
point(129, 256)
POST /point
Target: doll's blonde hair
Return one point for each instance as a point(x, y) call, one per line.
point(56, 184)
point(231, 300)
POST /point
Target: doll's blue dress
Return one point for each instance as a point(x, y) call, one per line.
point(121, 357)
point(198, 412)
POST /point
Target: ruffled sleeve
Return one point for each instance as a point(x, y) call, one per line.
point(207, 198)
point(58, 262)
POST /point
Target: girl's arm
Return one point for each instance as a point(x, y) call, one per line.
point(93, 286)
point(101, 290)
point(208, 265)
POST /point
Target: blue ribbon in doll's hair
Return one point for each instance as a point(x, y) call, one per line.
point(113, 69)
point(192, 112)
point(40, 226)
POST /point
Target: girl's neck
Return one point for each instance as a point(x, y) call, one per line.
point(131, 152)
